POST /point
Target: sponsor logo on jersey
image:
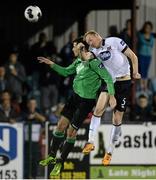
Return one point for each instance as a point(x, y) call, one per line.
point(105, 55)
point(101, 66)
point(109, 48)
point(122, 43)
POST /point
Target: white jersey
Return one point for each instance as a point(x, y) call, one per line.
point(112, 57)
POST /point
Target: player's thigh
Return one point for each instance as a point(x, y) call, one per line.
point(82, 111)
point(122, 93)
point(101, 103)
point(70, 106)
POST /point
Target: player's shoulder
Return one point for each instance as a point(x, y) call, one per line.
point(94, 61)
point(112, 40)
point(76, 61)
point(115, 42)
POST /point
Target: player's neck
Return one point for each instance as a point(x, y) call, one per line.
point(102, 43)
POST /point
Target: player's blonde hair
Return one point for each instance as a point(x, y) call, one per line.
point(91, 32)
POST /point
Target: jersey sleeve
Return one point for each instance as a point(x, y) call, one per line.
point(104, 74)
point(120, 44)
point(65, 71)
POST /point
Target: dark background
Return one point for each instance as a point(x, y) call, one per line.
point(61, 13)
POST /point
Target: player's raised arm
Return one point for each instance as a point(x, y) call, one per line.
point(122, 46)
point(129, 53)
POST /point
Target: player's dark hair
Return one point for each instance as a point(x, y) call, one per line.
point(78, 40)
point(81, 40)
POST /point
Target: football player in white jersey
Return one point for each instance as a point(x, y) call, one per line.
point(113, 53)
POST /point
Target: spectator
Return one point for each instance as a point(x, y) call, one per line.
point(41, 48)
point(154, 108)
point(66, 52)
point(7, 112)
point(67, 58)
point(55, 113)
point(49, 82)
point(153, 84)
point(148, 93)
point(33, 125)
point(113, 31)
point(145, 46)
point(3, 80)
point(16, 75)
point(126, 33)
point(142, 111)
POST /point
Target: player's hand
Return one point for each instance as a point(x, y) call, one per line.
point(136, 76)
point(45, 60)
point(112, 101)
point(80, 46)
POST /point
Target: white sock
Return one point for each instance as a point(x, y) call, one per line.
point(115, 134)
point(111, 148)
point(95, 123)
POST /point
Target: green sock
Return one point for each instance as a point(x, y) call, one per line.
point(58, 138)
point(68, 146)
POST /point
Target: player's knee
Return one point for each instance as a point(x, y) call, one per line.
point(117, 118)
point(98, 111)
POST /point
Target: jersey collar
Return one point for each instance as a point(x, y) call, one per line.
point(103, 42)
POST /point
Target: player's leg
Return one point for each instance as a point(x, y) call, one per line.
point(67, 147)
point(58, 137)
point(114, 136)
point(58, 134)
point(95, 121)
point(116, 128)
point(122, 89)
point(83, 109)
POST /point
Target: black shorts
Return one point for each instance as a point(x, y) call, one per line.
point(76, 109)
point(122, 93)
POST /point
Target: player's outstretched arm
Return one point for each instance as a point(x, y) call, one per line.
point(63, 71)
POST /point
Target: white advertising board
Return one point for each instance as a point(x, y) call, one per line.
point(11, 151)
point(137, 145)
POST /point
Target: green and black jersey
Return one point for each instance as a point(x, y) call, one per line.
point(88, 78)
